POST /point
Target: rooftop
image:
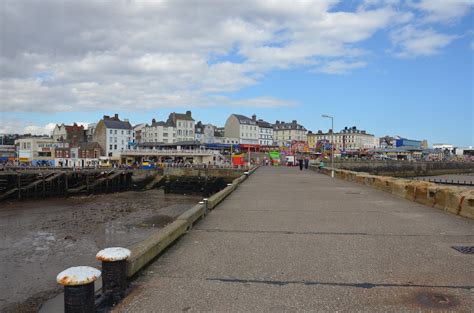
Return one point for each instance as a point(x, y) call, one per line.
point(245, 120)
point(293, 125)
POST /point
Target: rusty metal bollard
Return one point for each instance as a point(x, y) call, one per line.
point(114, 273)
point(78, 285)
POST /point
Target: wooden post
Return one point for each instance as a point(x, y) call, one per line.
point(87, 182)
point(19, 186)
point(66, 184)
point(44, 185)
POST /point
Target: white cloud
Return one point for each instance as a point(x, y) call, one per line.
point(444, 10)
point(39, 130)
point(81, 55)
point(340, 67)
point(410, 42)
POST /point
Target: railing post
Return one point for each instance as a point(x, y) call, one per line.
point(78, 285)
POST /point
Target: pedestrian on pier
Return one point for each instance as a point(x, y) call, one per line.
point(306, 163)
point(300, 161)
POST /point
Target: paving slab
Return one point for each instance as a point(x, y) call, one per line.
point(288, 240)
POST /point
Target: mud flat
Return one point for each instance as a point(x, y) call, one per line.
point(38, 239)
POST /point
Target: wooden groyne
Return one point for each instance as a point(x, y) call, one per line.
point(45, 183)
point(57, 183)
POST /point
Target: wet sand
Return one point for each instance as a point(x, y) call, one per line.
point(39, 239)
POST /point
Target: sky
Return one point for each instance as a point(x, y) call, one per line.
point(389, 67)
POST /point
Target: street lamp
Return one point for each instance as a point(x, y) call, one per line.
point(332, 142)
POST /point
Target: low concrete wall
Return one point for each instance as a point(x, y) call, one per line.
point(145, 251)
point(456, 200)
point(405, 168)
point(204, 172)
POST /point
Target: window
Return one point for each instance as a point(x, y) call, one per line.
point(111, 139)
point(115, 132)
point(110, 147)
point(111, 131)
point(122, 132)
point(115, 147)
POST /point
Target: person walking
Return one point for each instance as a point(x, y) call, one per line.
point(300, 161)
point(306, 163)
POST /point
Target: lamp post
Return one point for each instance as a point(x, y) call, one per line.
point(332, 142)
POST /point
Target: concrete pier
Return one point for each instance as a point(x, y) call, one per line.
point(289, 240)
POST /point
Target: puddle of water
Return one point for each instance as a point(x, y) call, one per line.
point(157, 221)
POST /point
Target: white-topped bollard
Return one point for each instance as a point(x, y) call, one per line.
point(114, 272)
point(78, 285)
point(229, 185)
point(206, 205)
point(246, 174)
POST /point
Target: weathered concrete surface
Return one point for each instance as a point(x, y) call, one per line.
point(211, 172)
point(287, 240)
point(454, 199)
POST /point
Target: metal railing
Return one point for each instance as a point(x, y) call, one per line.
point(167, 152)
point(447, 181)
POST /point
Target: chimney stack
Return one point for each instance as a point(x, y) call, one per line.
point(116, 116)
point(188, 113)
point(254, 117)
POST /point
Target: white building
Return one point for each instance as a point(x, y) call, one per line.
point(184, 124)
point(114, 135)
point(209, 134)
point(443, 146)
point(163, 132)
point(465, 151)
point(36, 150)
point(90, 131)
point(242, 128)
point(286, 133)
point(350, 139)
point(265, 133)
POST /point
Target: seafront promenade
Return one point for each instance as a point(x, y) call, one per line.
point(287, 240)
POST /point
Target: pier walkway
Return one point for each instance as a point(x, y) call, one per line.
point(287, 240)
